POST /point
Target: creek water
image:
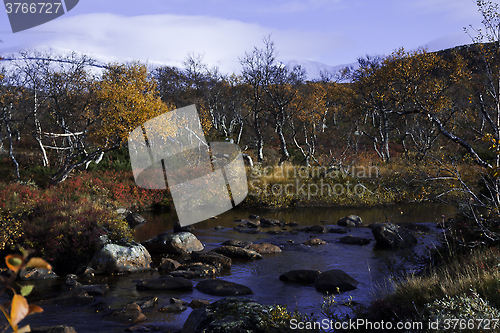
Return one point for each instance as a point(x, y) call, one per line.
point(364, 263)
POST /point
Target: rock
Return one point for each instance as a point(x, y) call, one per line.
point(169, 265)
point(264, 248)
point(85, 272)
point(71, 280)
point(269, 222)
point(317, 228)
point(293, 224)
point(183, 274)
point(178, 243)
point(253, 224)
point(174, 300)
point(165, 283)
point(104, 239)
point(237, 252)
point(392, 236)
point(198, 303)
point(247, 229)
point(101, 307)
point(53, 329)
point(186, 228)
point(354, 240)
point(338, 231)
point(253, 217)
point(147, 302)
point(201, 269)
point(219, 227)
point(95, 289)
point(333, 279)
point(74, 296)
point(113, 258)
point(230, 315)
point(131, 313)
point(218, 287)
point(234, 242)
point(175, 307)
point(350, 221)
point(134, 219)
point(314, 241)
point(212, 258)
point(123, 212)
point(301, 276)
point(36, 274)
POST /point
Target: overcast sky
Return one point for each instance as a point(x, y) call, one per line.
point(333, 32)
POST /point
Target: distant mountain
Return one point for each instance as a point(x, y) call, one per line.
point(314, 69)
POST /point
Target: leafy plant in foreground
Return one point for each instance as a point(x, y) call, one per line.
point(18, 308)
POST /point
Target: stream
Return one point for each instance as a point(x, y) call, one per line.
point(368, 266)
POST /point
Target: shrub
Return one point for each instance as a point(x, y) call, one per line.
point(11, 232)
point(463, 313)
point(68, 234)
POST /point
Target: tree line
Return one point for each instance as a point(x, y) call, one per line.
point(74, 111)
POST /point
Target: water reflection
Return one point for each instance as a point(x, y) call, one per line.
point(413, 213)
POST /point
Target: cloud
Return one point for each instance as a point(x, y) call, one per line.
point(168, 39)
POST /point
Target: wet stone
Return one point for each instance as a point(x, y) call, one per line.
point(212, 258)
point(131, 313)
point(300, 276)
point(218, 287)
point(174, 307)
point(169, 265)
point(238, 252)
point(198, 303)
point(264, 248)
point(314, 241)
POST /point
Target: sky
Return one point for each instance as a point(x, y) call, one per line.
point(165, 32)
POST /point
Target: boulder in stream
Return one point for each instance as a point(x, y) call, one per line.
point(335, 280)
point(350, 221)
point(300, 276)
point(177, 243)
point(218, 287)
point(113, 258)
point(391, 236)
point(211, 258)
point(228, 315)
point(237, 252)
point(264, 248)
point(314, 241)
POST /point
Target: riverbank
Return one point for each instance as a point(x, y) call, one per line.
point(88, 199)
point(358, 184)
point(262, 276)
